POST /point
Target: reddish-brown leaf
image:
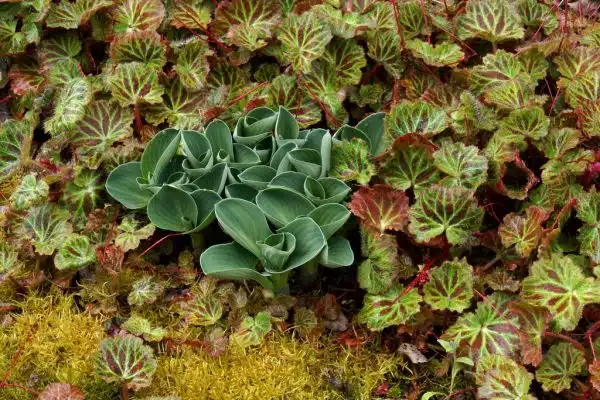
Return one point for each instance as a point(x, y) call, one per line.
point(380, 207)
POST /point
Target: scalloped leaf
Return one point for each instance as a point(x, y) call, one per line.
point(346, 58)
point(415, 117)
point(560, 285)
point(140, 326)
point(252, 330)
point(30, 192)
point(47, 226)
point(535, 15)
point(409, 164)
point(69, 106)
point(577, 61)
point(588, 211)
point(59, 48)
point(192, 67)
point(410, 17)
point(495, 70)
point(246, 23)
point(284, 92)
point(346, 24)
point(439, 55)
point(394, 307)
point(384, 48)
point(561, 364)
point(125, 359)
point(205, 311)
point(450, 286)
point(180, 107)
point(530, 122)
point(583, 89)
point(379, 271)
point(70, 15)
point(506, 380)
point(61, 391)
point(140, 46)
point(133, 83)
point(75, 252)
point(138, 15)
point(380, 207)
point(523, 232)
point(493, 20)
point(9, 258)
point(534, 321)
point(441, 210)
point(303, 40)
point(463, 164)
point(350, 161)
point(489, 330)
point(130, 234)
point(145, 291)
point(15, 144)
point(103, 124)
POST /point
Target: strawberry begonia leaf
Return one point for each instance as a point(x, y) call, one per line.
point(133, 83)
point(535, 15)
point(145, 291)
point(533, 321)
point(192, 65)
point(439, 55)
point(393, 307)
point(441, 210)
point(193, 14)
point(450, 286)
point(69, 106)
point(346, 58)
point(138, 15)
point(588, 211)
point(463, 164)
point(252, 330)
point(70, 15)
point(144, 47)
point(380, 207)
point(560, 285)
point(127, 360)
point(47, 226)
point(351, 161)
point(561, 364)
point(529, 122)
point(489, 330)
point(384, 47)
point(377, 273)
point(415, 117)
point(130, 234)
point(31, 192)
point(61, 391)
point(505, 380)
point(492, 20)
point(75, 252)
point(523, 232)
point(140, 326)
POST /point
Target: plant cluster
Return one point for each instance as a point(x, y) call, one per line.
point(462, 135)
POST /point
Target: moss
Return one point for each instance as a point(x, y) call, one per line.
point(59, 349)
point(281, 368)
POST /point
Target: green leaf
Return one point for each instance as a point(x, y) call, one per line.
point(535, 15)
point(145, 291)
point(343, 24)
point(506, 381)
point(75, 252)
point(282, 206)
point(30, 192)
point(409, 164)
point(350, 161)
point(380, 207)
point(232, 261)
point(47, 226)
point(450, 286)
point(489, 330)
point(304, 39)
point(560, 285)
point(70, 15)
point(523, 232)
point(158, 153)
point(230, 213)
point(309, 241)
point(130, 235)
point(463, 164)
point(384, 48)
point(9, 258)
point(103, 124)
point(284, 92)
point(133, 83)
point(346, 58)
point(138, 15)
point(252, 330)
point(379, 271)
point(194, 14)
point(337, 253)
point(173, 209)
point(415, 117)
point(561, 364)
point(394, 307)
point(577, 61)
point(60, 48)
point(583, 89)
point(440, 210)
point(325, 190)
point(497, 69)
point(439, 55)
point(330, 218)
point(122, 185)
point(530, 122)
point(142, 327)
point(493, 20)
point(192, 66)
point(246, 23)
point(411, 19)
point(180, 107)
point(126, 360)
point(69, 107)
point(144, 47)
point(204, 311)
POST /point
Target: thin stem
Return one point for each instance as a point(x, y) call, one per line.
point(489, 264)
point(398, 26)
point(159, 241)
point(566, 339)
point(125, 392)
point(13, 385)
point(138, 118)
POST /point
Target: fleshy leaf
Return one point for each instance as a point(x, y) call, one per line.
point(560, 285)
point(523, 232)
point(304, 39)
point(69, 107)
point(252, 330)
point(144, 291)
point(394, 307)
point(380, 207)
point(450, 286)
point(561, 363)
point(463, 164)
point(138, 15)
point(126, 360)
point(415, 117)
point(440, 210)
point(493, 20)
point(75, 252)
point(439, 55)
point(489, 330)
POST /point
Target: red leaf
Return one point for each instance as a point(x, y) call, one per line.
point(380, 207)
point(61, 391)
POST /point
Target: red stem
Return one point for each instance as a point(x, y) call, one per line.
point(566, 339)
point(12, 385)
point(398, 27)
point(139, 125)
point(17, 355)
point(159, 241)
point(588, 334)
point(125, 392)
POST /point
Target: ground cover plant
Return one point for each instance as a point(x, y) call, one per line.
point(393, 199)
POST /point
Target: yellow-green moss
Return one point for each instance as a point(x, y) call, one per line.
point(281, 368)
point(59, 349)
